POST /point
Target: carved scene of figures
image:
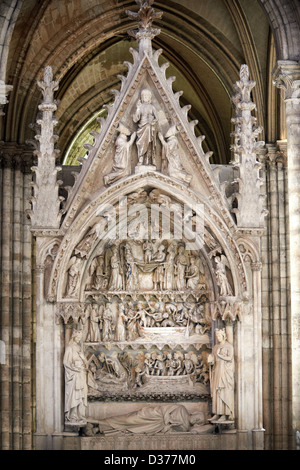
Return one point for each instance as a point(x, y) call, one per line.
point(130, 320)
point(150, 265)
point(151, 372)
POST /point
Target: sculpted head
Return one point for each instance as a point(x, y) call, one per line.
point(146, 96)
point(76, 336)
point(221, 335)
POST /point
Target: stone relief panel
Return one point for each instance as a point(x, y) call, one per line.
point(147, 265)
point(146, 306)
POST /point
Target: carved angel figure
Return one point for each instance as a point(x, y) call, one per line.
point(146, 117)
point(74, 270)
point(121, 159)
point(222, 281)
point(171, 149)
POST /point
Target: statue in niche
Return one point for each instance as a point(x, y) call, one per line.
point(221, 276)
point(158, 277)
point(194, 276)
point(120, 333)
point(74, 271)
point(146, 117)
point(115, 281)
point(181, 265)
point(172, 153)
point(222, 379)
point(132, 279)
point(121, 165)
point(107, 321)
point(169, 276)
point(93, 335)
point(75, 365)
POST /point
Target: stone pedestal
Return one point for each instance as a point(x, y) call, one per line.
point(144, 169)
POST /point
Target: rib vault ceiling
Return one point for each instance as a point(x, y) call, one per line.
point(86, 43)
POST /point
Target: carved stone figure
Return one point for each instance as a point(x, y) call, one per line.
point(181, 263)
point(148, 251)
point(115, 281)
point(74, 271)
point(97, 273)
point(150, 419)
point(132, 327)
point(121, 165)
point(110, 370)
point(75, 380)
point(222, 379)
point(120, 333)
point(188, 364)
point(146, 117)
point(107, 320)
point(132, 279)
point(222, 281)
point(158, 277)
point(171, 149)
point(116, 368)
point(142, 315)
point(139, 376)
point(94, 327)
point(169, 279)
point(194, 276)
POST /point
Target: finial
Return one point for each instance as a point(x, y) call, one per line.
point(145, 15)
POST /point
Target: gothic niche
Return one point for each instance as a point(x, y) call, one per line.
point(147, 307)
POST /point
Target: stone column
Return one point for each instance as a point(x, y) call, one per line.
point(287, 77)
point(258, 431)
point(6, 420)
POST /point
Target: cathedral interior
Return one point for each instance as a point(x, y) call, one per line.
point(74, 54)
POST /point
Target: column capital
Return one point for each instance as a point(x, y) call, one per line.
point(256, 266)
point(286, 76)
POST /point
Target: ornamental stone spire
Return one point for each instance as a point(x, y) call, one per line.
point(249, 211)
point(46, 212)
point(146, 32)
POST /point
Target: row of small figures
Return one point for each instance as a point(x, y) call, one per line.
point(121, 322)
